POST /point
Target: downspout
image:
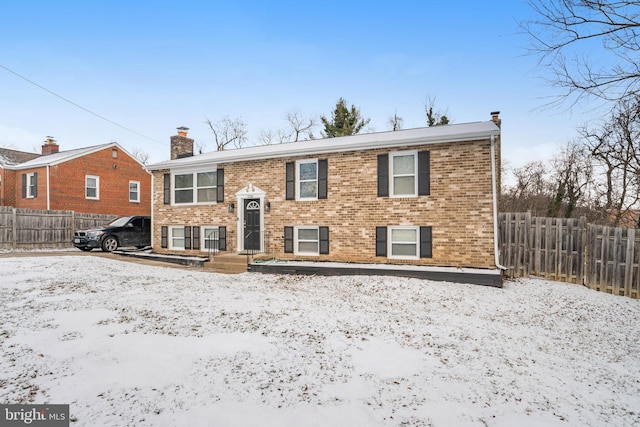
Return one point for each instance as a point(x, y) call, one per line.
point(48, 188)
point(152, 210)
point(495, 204)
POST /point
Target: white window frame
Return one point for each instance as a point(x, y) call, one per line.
point(86, 187)
point(392, 175)
point(203, 236)
point(297, 240)
point(390, 242)
point(171, 245)
point(194, 188)
point(299, 181)
point(30, 185)
point(137, 184)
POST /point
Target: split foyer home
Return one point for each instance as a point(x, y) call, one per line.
point(423, 197)
point(102, 179)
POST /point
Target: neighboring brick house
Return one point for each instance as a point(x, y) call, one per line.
point(9, 158)
point(424, 196)
point(102, 179)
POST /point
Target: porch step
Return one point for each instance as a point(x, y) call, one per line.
point(228, 264)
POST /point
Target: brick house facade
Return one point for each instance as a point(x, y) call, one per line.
point(102, 179)
point(421, 196)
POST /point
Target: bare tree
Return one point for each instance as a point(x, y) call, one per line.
point(395, 122)
point(615, 147)
point(434, 117)
point(301, 128)
point(142, 156)
point(227, 132)
point(269, 137)
point(531, 191)
point(572, 176)
point(590, 46)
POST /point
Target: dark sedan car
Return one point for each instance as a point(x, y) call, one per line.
point(125, 231)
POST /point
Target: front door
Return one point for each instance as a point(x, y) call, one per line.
point(252, 224)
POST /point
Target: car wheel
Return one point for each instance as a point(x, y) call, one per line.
point(85, 249)
point(110, 244)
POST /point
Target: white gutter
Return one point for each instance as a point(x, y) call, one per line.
point(48, 192)
point(495, 204)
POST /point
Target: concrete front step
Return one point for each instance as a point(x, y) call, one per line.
point(228, 264)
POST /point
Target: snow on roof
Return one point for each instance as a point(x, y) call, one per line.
point(430, 135)
point(10, 157)
point(62, 156)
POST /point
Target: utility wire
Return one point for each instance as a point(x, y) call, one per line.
point(79, 106)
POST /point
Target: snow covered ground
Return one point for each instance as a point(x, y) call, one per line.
point(134, 345)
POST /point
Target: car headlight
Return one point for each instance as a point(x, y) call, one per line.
point(94, 234)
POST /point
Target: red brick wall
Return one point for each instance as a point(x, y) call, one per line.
point(67, 185)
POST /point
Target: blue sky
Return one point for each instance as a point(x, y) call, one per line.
point(154, 66)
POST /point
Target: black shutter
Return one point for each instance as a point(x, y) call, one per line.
point(288, 240)
point(322, 179)
point(424, 173)
point(196, 237)
point(35, 184)
point(291, 182)
point(167, 189)
point(381, 241)
point(24, 185)
point(220, 184)
point(425, 242)
point(164, 232)
point(222, 238)
point(187, 237)
point(324, 240)
point(383, 175)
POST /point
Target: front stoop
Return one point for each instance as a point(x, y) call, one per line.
point(227, 264)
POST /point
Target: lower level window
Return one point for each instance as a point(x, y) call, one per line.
point(211, 238)
point(176, 238)
point(404, 242)
point(307, 241)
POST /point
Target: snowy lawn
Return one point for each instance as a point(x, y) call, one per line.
point(134, 345)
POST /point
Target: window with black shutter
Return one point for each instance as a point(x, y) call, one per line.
point(220, 182)
point(324, 240)
point(383, 175)
point(196, 237)
point(425, 242)
point(322, 178)
point(187, 237)
point(381, 241)
point(167, 188)
point(164, 233)
point(424, 173)
point(222, 236)
point(290, 180)
point(288, 240)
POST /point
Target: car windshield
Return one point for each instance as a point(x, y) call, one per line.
point(119, 222)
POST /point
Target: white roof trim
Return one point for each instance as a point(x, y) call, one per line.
point(419, 136)
point(65, 156)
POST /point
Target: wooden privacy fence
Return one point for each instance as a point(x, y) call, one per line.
point(30, 228)
point(603, 258)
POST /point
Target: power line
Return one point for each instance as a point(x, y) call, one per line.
point(79, 106)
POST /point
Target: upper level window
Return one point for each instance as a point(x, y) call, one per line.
point(31, 185)
point(404, 166)
point(114, 153)
point(197, 187)
point(307, 172)
point(134, 191)
point(92, 187)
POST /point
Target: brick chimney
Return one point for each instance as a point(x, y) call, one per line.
point(181, 146)
point(495, 116)
point(50, 146)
